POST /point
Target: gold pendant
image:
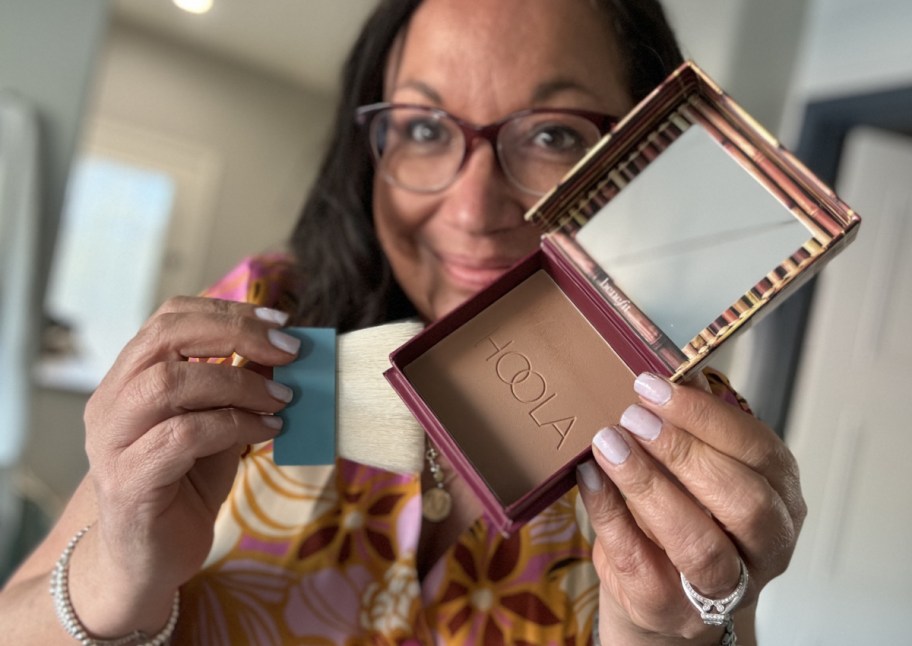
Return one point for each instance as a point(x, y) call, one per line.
point(436, 504)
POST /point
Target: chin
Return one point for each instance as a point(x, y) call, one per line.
point(447, 303)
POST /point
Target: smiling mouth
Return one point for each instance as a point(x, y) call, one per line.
point(475, 276)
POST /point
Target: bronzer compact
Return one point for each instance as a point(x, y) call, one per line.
point(678, 230)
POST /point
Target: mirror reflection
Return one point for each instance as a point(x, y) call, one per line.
point(690, 211)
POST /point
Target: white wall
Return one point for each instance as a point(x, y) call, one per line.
point(707, 30)
point(854, 46)
point(47, 55)
point(747, 47)
point(850, 47)
point(267, 133)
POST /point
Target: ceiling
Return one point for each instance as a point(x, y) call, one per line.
point(304, 41)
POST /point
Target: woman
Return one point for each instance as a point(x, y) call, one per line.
point(691, 485)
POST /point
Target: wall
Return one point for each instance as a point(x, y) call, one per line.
point(267, 133)
point(850, 47)
point(47, 54)
point(747, 47)
point(854, 46)
point(706, 30)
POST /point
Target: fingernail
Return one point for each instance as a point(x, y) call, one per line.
point(652, 388)
point(284, 342)
point(610, 444)
point(271, 315)
point(279, 391)
point(590, 475)
point(272, 421)
point(641, 422)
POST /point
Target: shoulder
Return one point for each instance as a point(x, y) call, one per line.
point(265, 279)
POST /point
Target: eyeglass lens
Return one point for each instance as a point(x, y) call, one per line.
point(423, 149)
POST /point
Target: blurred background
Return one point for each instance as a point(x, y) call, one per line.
point(144, 150)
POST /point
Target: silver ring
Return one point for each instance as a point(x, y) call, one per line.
point(715, 612)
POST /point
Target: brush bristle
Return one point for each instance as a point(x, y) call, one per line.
point(374, 426)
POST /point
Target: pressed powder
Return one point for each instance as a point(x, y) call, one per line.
point(523, 386)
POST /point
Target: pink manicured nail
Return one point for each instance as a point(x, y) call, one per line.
point(271, 315)
point(610, 444)
point(284, 342)
point(652, 388)
point(280, 391)
point(272, 421)
point(641, 422)
point(590, 475)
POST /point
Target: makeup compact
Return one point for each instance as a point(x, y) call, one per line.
point(682, 227)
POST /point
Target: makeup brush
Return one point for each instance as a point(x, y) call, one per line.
point(340, 390)
point(374, 426)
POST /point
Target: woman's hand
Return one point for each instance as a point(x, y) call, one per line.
point(689, 485)
point(164, 436)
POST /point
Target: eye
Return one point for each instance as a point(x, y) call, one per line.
point(424, 130)
point(557, 137)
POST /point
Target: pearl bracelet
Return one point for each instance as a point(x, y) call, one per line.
point(66, 614)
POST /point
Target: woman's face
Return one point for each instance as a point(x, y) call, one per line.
point(481, 61)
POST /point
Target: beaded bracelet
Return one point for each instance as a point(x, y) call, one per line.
point(66, 614)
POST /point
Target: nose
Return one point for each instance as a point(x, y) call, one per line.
point(481, 200)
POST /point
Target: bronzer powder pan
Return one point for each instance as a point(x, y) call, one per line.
point(521, 386)
point(682, 227)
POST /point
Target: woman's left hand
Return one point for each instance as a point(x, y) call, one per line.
point(690, 484)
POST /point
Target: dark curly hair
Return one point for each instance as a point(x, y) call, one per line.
point(343, 278)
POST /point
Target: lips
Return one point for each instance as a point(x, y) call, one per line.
point(475, 274)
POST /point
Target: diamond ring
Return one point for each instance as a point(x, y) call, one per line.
point(715, 612)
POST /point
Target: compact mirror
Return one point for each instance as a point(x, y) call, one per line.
point(693, 211)
point(689, 218)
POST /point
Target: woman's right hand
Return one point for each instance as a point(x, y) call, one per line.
point(164, 436)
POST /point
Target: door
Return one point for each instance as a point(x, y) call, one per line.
point(850, 581)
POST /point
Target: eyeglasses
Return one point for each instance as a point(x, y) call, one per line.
point(423, 149)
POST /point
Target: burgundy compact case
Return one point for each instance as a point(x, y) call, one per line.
point(680, 228)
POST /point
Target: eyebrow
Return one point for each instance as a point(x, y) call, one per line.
point(548, 89)
point(422, 88)
point(542, 93)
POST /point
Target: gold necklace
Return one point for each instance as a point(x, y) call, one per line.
point(436, 502)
